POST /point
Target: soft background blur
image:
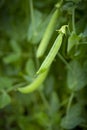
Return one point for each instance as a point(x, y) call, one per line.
point(22, 25)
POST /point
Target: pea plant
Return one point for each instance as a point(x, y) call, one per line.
point(43, 70)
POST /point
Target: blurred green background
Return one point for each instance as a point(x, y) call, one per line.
point(60, 103)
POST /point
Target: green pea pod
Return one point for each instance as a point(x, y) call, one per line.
point(45, 65)
point(35, 84)
point(48, 33)
point(54, 50)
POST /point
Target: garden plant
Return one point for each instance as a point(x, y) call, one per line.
point(43, 64)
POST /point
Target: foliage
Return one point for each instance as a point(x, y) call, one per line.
point(60, 102)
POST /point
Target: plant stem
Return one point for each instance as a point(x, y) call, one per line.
point(70, 102)
point(64, 61)
point(44, 99)
point(73, 19)
point(32, 15)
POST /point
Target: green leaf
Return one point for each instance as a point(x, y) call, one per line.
point(4, 99)
point(15, 46)
point(13, 57)
point(71, 122)
point(49, 85)
point(73, 40)
point(30, 68)
point(85, 32)
point(6, 83)
point(54, 103)
point(75, 1)
point(76, 78)
point(37, 27)
point(42, 118)
point(73, 118)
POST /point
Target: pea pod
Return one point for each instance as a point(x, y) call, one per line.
point(45, 65)
point(51, 55)
point(48, 33)
point(35, 84)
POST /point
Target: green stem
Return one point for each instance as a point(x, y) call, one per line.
point(73, 19)
point(70, 102)
point(32, 15)
point(44, 99)
point(64, 61)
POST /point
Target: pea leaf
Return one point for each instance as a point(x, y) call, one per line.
point(37, 27)
point(85, 31)
point(4, 99)
point(13, 57)
point(76, 79)
point(75, 1)
point(42, 118)
point(73, 118)
point(30, 68)
point(6, 83)
point(73, 40)
point(54, 103)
